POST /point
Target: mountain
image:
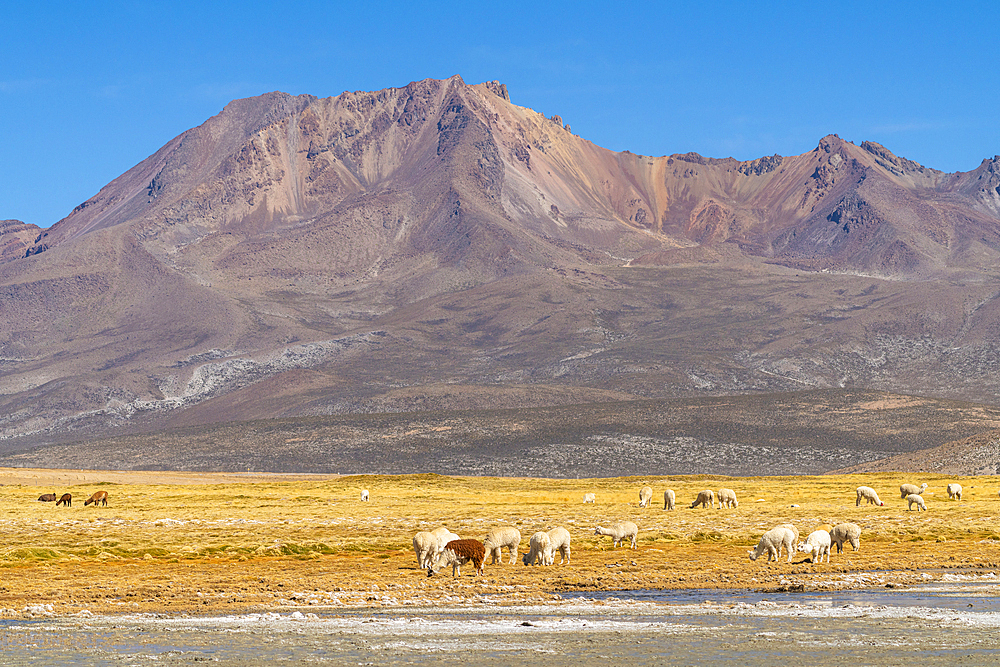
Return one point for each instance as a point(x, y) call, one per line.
point(976, 455)
point(438, 247)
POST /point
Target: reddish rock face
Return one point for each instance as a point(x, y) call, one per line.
point(16, 238)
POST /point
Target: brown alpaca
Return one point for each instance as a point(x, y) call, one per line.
point(47, 498)
point(99, 497)
point(66, 500)
point(459, 552)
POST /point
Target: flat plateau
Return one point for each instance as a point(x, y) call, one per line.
point(210, 543)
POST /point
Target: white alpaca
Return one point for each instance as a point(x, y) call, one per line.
point(645, 495)
point(911, 489)
point(619, 531)
point(425, 545)
point(955, 491)
point(588, 497)
point(498, 538)
point(444, 536)
point(795, 534)
point(868, 493)
point(727, 498)
point(539, 545)
point(818, 543)
point(558, 541)
point(364, 495)
point(772, 541)
point(705, 498)
point(846, 532)
point(914, 499)
point(668, 499)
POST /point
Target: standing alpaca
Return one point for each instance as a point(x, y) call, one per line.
point(911, 489)
point(620, 531)
point(668, 499)
point(498, 538)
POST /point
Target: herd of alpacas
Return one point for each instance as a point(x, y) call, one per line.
point(66, 499)
point(440, 547)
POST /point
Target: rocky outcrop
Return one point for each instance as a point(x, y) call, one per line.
point(16, 239)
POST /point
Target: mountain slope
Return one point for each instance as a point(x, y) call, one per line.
point(436, 246)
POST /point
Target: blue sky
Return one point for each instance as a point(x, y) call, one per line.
point(86, 93)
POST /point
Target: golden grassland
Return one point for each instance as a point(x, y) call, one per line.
point(202, 542)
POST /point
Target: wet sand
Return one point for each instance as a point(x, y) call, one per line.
point(718, 629)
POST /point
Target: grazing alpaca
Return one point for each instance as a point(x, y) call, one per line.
point(727, 498)
point(539, 545)
point(99, 497)
point(868, 493)
point(66, 500)
point(705, 498)
point(459, 552)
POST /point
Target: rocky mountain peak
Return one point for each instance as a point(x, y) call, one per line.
point(302, 255)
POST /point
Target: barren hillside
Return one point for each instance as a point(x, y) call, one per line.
point(437, 247)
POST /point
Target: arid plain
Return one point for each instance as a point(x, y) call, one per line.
point(210, 543)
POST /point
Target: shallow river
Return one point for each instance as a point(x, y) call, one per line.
point(954, 622)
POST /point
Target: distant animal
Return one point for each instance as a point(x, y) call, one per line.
point(66, 499)
point(818, 543)
point(457, 553)
point(99, 497)
point(772, 542)
point(727, 498)
point(915, 499)
point(911, 489)
point(364, 495)
point(705, 498)
point(538, 547)
point(668, 499)
point(619, 531)
point(846, 532)
point(47, 498)
point(558, 541)
point(645, 495)
point(588, 497)
point(868, 493)
point(955, 491)
point(498, 538)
